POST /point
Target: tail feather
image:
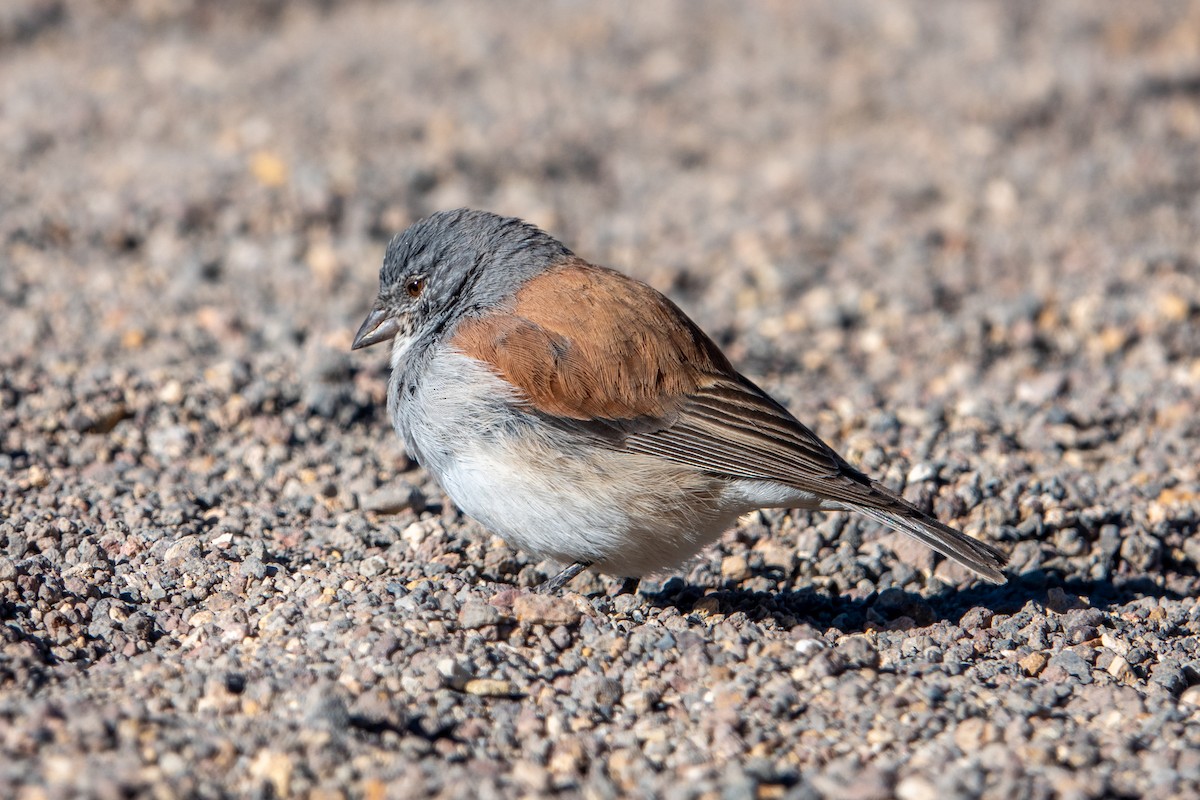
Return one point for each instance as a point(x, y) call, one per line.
point(971, 553)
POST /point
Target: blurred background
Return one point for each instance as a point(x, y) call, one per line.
point(784, 169)
point(960, 239)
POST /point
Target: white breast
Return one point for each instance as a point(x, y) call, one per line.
point(552, 493)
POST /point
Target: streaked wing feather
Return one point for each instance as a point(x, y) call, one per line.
point(736, 430)
point(588, 349)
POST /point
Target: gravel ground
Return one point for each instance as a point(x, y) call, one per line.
point(960, 239)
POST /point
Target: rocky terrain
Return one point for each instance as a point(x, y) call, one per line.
point(961, 240)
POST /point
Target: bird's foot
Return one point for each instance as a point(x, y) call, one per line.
point(554, 585)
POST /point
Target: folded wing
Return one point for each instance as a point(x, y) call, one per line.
point(590, 349)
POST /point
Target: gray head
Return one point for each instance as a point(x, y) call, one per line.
point(450, 265)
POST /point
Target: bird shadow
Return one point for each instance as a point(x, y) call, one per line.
point(899, 609)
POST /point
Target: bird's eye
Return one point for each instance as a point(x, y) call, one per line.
point(415, 285)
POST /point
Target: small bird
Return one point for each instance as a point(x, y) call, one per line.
point(583, 417)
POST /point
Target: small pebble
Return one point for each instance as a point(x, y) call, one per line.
point(540, 609)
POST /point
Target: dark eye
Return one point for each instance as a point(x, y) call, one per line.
point(415, 285)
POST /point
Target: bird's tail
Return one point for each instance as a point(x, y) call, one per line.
point(971, 553)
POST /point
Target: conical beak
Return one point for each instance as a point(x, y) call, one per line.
point(379, 326)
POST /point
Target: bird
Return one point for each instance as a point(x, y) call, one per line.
point(583, 417)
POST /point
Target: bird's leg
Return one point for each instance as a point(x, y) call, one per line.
point(554, 585)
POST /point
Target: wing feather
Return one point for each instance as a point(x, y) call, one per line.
point(598, 353)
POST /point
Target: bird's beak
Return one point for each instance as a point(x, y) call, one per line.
point(379, 326)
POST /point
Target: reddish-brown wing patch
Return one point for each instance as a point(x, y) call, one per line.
point(585, 342)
